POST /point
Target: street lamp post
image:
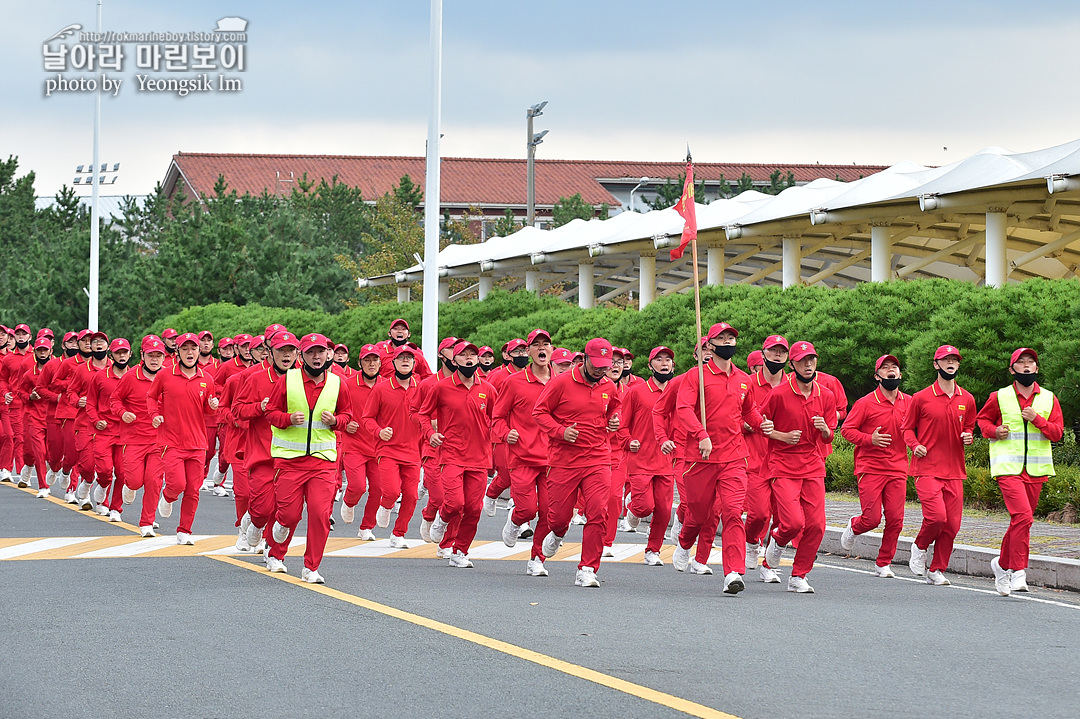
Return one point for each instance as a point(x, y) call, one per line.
point(636, 188)
point(531, 141)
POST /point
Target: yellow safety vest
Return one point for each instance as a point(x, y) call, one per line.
point(314, 438)
point(1025, 448)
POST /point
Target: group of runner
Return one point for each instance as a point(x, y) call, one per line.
point(575, 437)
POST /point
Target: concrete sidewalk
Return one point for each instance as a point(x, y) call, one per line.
point(1055, 548)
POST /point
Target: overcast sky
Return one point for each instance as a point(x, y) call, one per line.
point(839, 82)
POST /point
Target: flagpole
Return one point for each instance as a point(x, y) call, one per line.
point(697, 338)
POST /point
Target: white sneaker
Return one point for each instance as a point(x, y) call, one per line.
point(551, 544)
point(397, 542)
point(489, 506)
point(676, 527)
point(1002, 580)
point(85, 504)
point(260, 548)
point(114, 516)
point(680, 559)
point(220, 492)
point(459, 560)
point(917, 561)
point(102, 510)
point(185, 539)
point(69, 497)
point(24, 476)
point(254, 534)
point(164, 509)
point(147, 531)
point(311, 576)
point(444, 552)
point(937, 579)
point(632, 521)
point(578, 518)
point(425, 530)
point(438, 529)
point(129, 494)
point(774, 553)
point(366, 535)
point(536, 568)
point(768, 574)
point(348, 514)
point(43, 493)
point(652, 559)
point(382, 517)
point(280, 533)
point(5, 475)
point(82, 491)
point(751, 555)
point(847, 538)
point(625, 526)
point(52, 478)
point(1018, 580)
point(608, 552)
point(586, 577)
point(885, 572)
point(526, 531)
point(733, 583)
point(510, 531)
point(697, 567)
point(99, 493)
point(276, 566)
point(242, 544)
point(207, 485)
point(800, 585)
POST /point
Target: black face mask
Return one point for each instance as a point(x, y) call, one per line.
point(448, 364)
point(85, 354)
point(42, 360)
point(398, 343)
point(1026, 380)
point(185, 364)
point(724, 351)
point(313, 371)
point(662, 376)
point(403, 377)
point(805, 380)
point(71, 351)
point(520, 361)
point(369, 376)
point(625, 374)
point(148, 371)
point(170, 350)
point(773, 367)
point(121, 365)
point(278, 369)
point(100, 354)
point(889, 383)
point(946, 375)
point(467, 370)
point(341, 363)
point(203, 354)
point(592, 377)
point(487, 365)
point(23, 344)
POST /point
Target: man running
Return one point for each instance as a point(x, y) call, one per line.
point(108, 452)
point(358, 447)
point(429, 456)
point(517, 350)
point(399, 337)
point(38, 397)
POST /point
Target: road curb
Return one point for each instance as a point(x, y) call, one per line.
point(1055, 572)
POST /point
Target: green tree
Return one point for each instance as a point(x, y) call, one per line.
point(507, 224)
point(669, 193)
point(408, 193)
point(778, 183)
point(571, 208)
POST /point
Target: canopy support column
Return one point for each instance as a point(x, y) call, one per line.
point(487, 284)
point(996, 238)
point(647, 279)
point(444, 291)
point(792, 261)
point(532, 280)
point(586, 294)
point(880, 253)
point(715, 260)
point(403, 292)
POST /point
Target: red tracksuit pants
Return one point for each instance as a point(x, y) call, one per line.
point(37, 445)
point(70, 454)
point(211, 448)
point(759, 502)
point(528, 489)
point(433, 484)
point(680, 487)
point(18, 437)
point(262, 505)
point(614, 502)
point(463, 500)
point(183, 476)
point(595, 484)
point(401, 479)
point(800, 512)
point(363, 475)
point(882, 493)
point(1021, 495)
point(709, 485)
point(84, 447)
point(109, 460)
point(943, 508)
point(296, 488)
point(143, 470)
point(500, 453)
point(7, 446)
point(652, 494)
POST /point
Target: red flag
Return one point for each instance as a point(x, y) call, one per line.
point(685, 207)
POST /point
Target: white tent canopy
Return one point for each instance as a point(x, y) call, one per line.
point(994, 217)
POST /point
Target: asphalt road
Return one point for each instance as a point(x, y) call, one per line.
point(205, 637)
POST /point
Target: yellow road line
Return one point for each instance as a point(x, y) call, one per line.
point(652, 695)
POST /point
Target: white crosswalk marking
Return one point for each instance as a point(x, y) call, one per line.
point(498, 550)
point(378, 548)
point(298, 540)
point(134, 549)
point(42, 545)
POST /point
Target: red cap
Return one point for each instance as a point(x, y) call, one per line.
point(273, 329)
point(514, 344)
point(578, 356)
point(398, 351)
point(225, 342)
point(340, 346)
point(447, 343)
point(801, 350)
point(883, 359)
point(1023, 351)
point(45, 332)
point(719, 327)
point(314, 340)
point(463, 345)
point(119, 344)
point(169, 334)
point(485, 350)
point(70, 336)
point(43, 342)
point(24, 328)
point(206, 333)
point(183, 339)
point(617, 351)
point(99, 334)
point(368, 350)
point(241, 340)
point(399, 321)
point(627, 353)
point(83, 334)
point(561, 355)
point(599, 352)
point(537, 333)
point(946, 350)
point(773, 340)
point(659, 351)
point(755, 359)
point(6, 329)
point(258, 340)
point(284, 339)
point(152, 343)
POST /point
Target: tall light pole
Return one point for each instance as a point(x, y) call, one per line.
point(94, 211)
point(531, 141)
point(430, 335)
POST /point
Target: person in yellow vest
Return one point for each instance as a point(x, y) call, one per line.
point(302, 412)
point(1020, 421)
